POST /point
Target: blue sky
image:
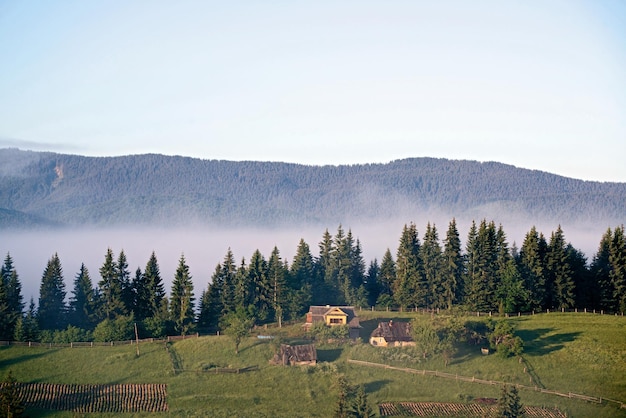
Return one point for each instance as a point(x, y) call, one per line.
point(536, 84)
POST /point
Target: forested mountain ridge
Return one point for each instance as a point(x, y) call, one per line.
point(59, 189)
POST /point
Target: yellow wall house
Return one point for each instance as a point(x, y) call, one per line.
point(334, 315)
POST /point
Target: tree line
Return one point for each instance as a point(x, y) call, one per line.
point(487, 274)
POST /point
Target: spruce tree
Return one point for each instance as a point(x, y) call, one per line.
point(600, 290)
point(155, 287)
point(228, 273)
point(111, 288)
point(52, 310)
point(386, 279)
point(533, 268)
point(372, 285)
point(481, 267)
point(82, 305)
point(28, 325)
point(14, 298)
point(211, 306)
point(5, 316)
point(127, 294)
point(431, 256)
point(559, 272)
point(360, 404)
point(182, 298)
point(409, 287)
point(10, 404)
point(452, 266)
point(304, 283)
point(327, 292)
point(257, 276)
point(617, 272)
point(277, 272)
point(509, 405)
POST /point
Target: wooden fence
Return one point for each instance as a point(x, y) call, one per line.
point(473, 379)
point(429, 311)
point(79, 344)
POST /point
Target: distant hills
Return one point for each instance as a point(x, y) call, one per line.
point(49, 189)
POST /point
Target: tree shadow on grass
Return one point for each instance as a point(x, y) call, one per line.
point(376, 385)
point(537, 342)
point(328, 354)
point(8, 363)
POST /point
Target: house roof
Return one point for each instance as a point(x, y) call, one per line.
point(296, 353)
point(319, 312)
point(393, 331)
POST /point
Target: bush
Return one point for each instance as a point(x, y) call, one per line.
point(504, 341)
point(121, 328)
point(322, 332)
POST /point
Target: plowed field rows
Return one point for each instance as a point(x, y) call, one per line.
point(94, 398)
point(444, 409)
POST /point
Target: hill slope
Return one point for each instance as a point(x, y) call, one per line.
point(48, 188)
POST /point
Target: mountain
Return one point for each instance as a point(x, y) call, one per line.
point(43, 188)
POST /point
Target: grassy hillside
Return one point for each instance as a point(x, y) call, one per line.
point(581, 353)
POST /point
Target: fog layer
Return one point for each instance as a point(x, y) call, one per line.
point(205, 247)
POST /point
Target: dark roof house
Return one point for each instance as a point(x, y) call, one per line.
point(392, 334)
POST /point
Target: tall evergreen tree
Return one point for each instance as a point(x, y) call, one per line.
point(386, 279)
point(257, 275)
point(409, 287)
point(600, 293)
point(533, 268)
point(452, 266)
point(182, 298)
point(110, 285)
point(581, 275)
point(228, 280)
point(127, 293)
point(277, 272)
point(13, 289)
point(509, 405)
point(372, 286)
point(325, 269)
point(5, 316)
point(141, 296)
point(617, 273)
point(358, 292)
point(52, 310)
point(155, 287)
point(27, 328)
point(82, 305)
point(480, 283)
point(431, 256)
point(211, 305)
point(559, 272)
point(304, 283)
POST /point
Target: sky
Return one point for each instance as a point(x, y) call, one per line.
point(536, 84)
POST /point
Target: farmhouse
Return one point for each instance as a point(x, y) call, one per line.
point(392, 334)
point(296, 355)
point(334, 315)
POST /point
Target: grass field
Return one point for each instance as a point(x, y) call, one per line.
point(581, 353)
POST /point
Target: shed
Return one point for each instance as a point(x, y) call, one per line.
point(296, 355)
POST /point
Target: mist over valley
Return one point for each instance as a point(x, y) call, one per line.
point(80, 206)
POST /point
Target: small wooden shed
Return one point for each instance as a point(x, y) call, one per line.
point(296, 355)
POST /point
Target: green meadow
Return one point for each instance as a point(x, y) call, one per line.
point(579, 353)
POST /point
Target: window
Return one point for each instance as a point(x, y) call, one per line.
point(334, 321)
